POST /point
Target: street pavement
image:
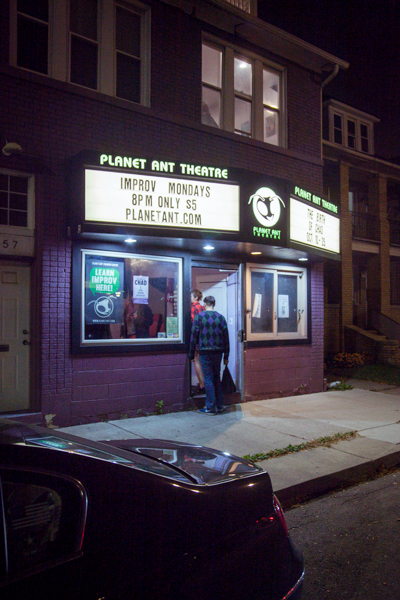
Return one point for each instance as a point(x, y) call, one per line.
point(370, 409)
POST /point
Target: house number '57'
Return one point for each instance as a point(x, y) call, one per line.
point(8, 244)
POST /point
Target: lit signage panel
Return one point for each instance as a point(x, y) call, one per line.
point(157, 201)
point(313, 227)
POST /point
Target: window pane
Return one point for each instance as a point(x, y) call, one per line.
point(243, 77)
point(337, 121)
point(271, 127)
point(287, 303)
point(337, 129)
point(242, 117)
point(128, 32)
point(351, 127)
point(262, 303)
point(83, 62)
point(32, 45)
point(338, 137)
point(18, 218)
point(18, 184)
point(131, 298)
point(128, 78)
point(19, 201)
point(211, 107)
point(4, 199)
point(212, 66)
point(3, 182)
point(364, 137)
point(83, 18)
point(34, 8)
point(270, 89)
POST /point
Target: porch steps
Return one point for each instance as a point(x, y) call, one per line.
point(364, 341)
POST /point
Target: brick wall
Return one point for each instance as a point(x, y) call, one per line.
point(53, 121)
point(290, 370)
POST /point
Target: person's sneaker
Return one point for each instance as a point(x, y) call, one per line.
point(222, 409)
point(206, 411)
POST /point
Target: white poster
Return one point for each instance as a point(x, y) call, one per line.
point(257, 306)
point(283, 306)
point(140, 289)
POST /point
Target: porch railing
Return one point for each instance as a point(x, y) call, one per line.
point(365, 226)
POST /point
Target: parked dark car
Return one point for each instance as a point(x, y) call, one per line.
point(137, 519)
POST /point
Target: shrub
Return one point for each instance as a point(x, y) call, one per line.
point(345, 360)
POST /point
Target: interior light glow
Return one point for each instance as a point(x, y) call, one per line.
point(208, 247)
point(254, 253)
point(303, 259)
point(130, 241)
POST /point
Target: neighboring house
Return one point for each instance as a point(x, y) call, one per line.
point(362, 292)
point(149, 148)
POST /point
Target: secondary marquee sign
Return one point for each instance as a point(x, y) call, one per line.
point(314, 221)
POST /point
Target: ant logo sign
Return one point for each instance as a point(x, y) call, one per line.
point(266, 206)
point(103, 306)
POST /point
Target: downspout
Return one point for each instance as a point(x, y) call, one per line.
point(323, 84)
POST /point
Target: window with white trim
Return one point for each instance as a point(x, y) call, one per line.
point(351, 131)
point(276, 303)
point(61, 39)
point(241, 93)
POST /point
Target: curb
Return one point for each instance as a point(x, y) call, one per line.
point(348, 477)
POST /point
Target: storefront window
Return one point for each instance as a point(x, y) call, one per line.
point(130, 299)
point(277, 303)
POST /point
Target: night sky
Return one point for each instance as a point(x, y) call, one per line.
point(367, 35)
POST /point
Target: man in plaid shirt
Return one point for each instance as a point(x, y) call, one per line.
point(210, 335)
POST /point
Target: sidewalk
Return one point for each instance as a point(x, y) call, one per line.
point(371, 409)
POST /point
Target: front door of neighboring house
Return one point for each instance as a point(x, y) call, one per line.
point(14, 337)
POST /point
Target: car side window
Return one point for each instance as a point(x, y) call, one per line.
point(44, 518)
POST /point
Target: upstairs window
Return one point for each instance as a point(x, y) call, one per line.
point(241, 94)
point(33, 35)
point(128, 54)
point(61, 39)
point(350, 128)
point(83, 43)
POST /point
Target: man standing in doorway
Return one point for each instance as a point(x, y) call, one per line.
point(210, 335)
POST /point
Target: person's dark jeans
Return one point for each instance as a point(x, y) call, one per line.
point(211, 365)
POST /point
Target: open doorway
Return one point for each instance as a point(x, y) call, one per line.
point(225, 285)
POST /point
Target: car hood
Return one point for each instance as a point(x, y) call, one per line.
point(204, 465)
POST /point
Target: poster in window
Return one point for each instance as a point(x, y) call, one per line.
point(283, 306)
point(140, 289)
point(104, 285)
point(270, 125)
point(257, 306)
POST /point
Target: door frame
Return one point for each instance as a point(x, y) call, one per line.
point(240, 315)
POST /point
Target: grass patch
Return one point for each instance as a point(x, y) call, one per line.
point(388, 374)
point(322, 441)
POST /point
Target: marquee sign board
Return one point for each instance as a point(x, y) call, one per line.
point(160, 201)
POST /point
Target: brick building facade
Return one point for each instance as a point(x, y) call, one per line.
point(81, 97)
point(362, 296)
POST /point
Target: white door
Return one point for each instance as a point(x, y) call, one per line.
point(14, 337)
point(224, 287)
